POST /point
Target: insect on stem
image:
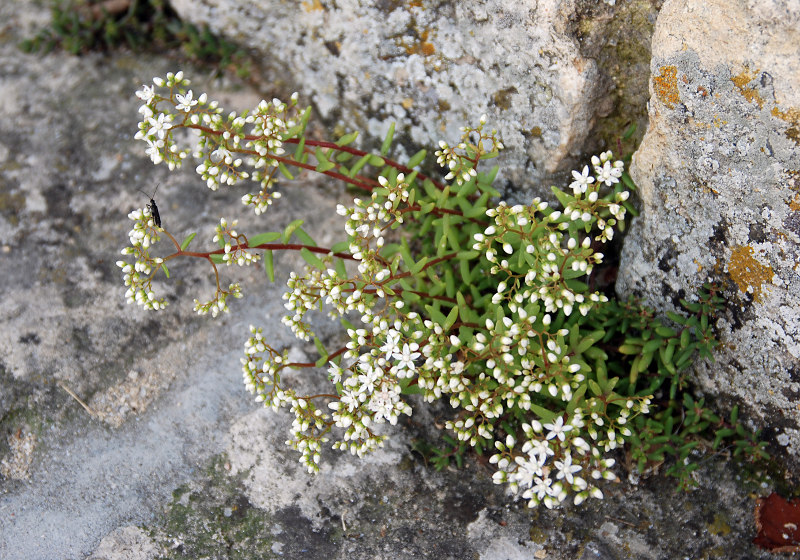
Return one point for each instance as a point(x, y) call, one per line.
point(152, 205)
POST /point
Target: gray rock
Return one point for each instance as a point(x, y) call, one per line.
point(719, 173)
point(431, 66)
point(126, 543)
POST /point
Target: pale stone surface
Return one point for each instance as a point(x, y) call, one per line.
point(719, 173)
point(126, 543)
point(431, 66)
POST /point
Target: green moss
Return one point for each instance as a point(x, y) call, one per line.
point(620, 43)
point(81, 26)
point(719, 526)
point(19, 412)
point(502, 98)
point(537, 534)
point(11, 204)
point(212, 518)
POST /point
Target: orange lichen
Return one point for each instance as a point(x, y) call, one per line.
point(792, 181)
point(422, 46)
point(665, 86)
point(792, 116)
point(749, 93)
point(748, 274)
point(313, 6)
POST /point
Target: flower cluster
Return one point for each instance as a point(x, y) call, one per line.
point(217, 304)
point(562, 456)
point(461, 159)
point(234, 244)
point(224, 144)
point(138, 276)
point(156, 127)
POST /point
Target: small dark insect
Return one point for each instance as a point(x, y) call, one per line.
point(152, 205)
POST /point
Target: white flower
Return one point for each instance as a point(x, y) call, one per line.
point(334, 373)
point(350, 400)
point(146, 94)
point(159, 126)
point(538, 449)
point(582, 181)
point(391, 345)
point(526, 472)
point(405, 358)
point(369, 377)
point(557, 429)
point(382, 403)
point(185, 102)
point(153, 150)
point(542, 487)
point(566, 469)
point(608, 174)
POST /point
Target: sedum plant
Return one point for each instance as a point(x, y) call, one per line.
point(444, 293)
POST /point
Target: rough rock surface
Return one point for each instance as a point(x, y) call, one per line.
point(433, 66)
point(719, 173)
point(170, 458)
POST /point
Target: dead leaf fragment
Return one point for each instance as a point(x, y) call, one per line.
point(778, 523)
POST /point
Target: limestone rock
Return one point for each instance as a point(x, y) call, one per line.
point(431, 66)
point(719, 173)
point(126, 543)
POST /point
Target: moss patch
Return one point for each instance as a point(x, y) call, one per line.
point(619, 40)
point(211, 517)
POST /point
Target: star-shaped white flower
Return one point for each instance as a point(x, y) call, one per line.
point(185, 102)
point(557, 429)
point(146, 94)
point(582, 181)
point(159, 126)
point(566, 469)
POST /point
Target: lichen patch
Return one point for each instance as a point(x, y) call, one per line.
point(750, 94)
point(791, 116)
point(17, 463)
point(665, 86)
point(749, 274)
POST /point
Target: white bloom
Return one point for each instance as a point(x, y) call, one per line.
point(153, 150)
point(542, 487)
point(405, 358)
point(159, 126)
point(566, 469)
point(369, 377)
point(185, 102)
point(390, 347)
point(582, 181)
point(146, 94)
point(557, 429)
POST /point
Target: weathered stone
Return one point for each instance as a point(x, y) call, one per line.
point(126, 543)
point(431, 66)
point(719, 173)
